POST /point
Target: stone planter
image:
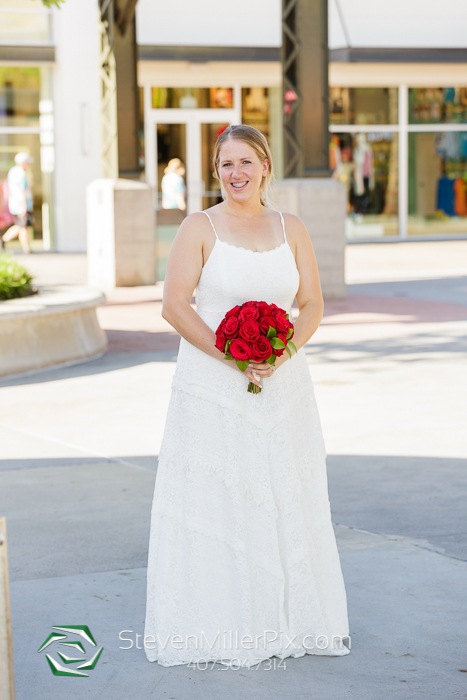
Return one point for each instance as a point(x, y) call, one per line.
point(56, 326)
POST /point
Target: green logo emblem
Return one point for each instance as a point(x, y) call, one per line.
point(71, 646)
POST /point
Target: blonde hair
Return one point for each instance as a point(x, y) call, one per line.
point(257, 141)
point(175, 165)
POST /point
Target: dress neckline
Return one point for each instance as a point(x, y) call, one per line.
point(248, 250)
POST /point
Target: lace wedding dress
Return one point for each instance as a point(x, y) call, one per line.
point(241, 543)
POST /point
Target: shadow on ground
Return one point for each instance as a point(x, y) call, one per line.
point(88, 515)
point(419, 497)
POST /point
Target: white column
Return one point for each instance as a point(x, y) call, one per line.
point(237, 103)
point(75, 87)
point(150, 143)
point(193, 164)
point(403, 161)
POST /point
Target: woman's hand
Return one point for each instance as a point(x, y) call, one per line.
point(263, 370)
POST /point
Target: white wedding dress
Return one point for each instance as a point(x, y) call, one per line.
point(241, 542)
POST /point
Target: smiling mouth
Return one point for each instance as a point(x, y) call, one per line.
point(239, 185)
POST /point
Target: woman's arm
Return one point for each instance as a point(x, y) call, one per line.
point(184, 268)
point(309, 296)
point(183, 272)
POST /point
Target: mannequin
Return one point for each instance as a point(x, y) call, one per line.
point(364, 169)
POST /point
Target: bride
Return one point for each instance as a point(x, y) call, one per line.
point(243, 563)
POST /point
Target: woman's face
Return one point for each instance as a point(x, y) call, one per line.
point(240, 170)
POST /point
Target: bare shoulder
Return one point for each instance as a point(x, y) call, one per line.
point(297, 233)
point(194, 228)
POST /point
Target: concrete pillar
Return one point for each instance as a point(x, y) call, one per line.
point(121, 234)
point(321, 204)
point(76, 96)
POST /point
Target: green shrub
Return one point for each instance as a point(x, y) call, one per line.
point(15, 280)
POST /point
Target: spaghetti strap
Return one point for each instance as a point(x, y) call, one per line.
point(283, 227)
point(215, 232)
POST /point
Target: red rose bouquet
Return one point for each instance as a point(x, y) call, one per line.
point(257, 332)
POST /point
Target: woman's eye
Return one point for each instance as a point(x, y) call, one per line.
point(247, 161)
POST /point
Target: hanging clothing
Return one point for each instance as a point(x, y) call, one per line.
point(460, 198)
point(445, 199)
point(448, 145)
point(463, 145)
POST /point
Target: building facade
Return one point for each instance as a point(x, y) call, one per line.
point(398, 107)
point(49, 107)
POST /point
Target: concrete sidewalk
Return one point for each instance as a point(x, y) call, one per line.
point(79, 455)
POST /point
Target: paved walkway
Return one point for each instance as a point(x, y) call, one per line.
point(79, 447)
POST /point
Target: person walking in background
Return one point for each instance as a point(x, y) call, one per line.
point(20, 201)
point(173, 186)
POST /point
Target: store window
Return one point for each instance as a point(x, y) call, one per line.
point(446, 105)
point(192, 98)
point(255, 108)
point(438, 183)
point(27, 125)
point(263, 109)
point(19, 96)
point(363, 105)
point(24, 22)
point(367, 164)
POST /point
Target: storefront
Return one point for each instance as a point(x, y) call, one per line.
point(400, 149)
point(181, 125)
point(26, 114)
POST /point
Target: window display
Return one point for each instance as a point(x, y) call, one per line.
point(446, 105)
point(27, 125)
point(363, 105)
point(255, 108)
point(438, 183)
point(192, 98)
point(19, 96)
point(367, 164)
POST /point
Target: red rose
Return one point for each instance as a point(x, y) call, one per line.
point(276, 310)
point(263, 308)
point(220, 341)
point(249, 331)
point(250, 303)
point(261, 349)
point(248, 313)
point(231, 327)
point(280, 351)
point(233, 312)
point(240, 350)
point(282, 324)
point(264, 324)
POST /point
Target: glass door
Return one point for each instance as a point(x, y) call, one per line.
point(171, 197)
point(178, 149)
point(211, 194)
